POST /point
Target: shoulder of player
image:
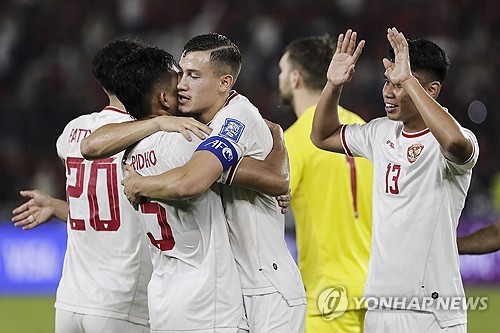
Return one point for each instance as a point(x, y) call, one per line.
point(349, 117)
point(382, 122)
point(94, 120)
point(239, 101)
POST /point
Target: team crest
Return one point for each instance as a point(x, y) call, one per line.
point(414, 152)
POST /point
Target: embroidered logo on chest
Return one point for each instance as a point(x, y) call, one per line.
point(414, 152)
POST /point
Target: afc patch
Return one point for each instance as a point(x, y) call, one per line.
point(222, 149)
point(414, 152)
point(232, 129)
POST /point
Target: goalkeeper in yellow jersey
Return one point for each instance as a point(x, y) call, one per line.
point(331, 197)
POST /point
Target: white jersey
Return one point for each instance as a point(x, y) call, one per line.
point(256, 225)
point(107, 266)
point(195, 284)
point(418, 196)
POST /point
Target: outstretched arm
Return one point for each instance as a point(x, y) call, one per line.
point(39, 209)
point(113, 138)
point(483, 241)
point(326, 126)
point(456, 145)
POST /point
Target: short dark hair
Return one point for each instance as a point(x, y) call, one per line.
point(137, 75)
point(104, 61)
point(225, 55)
point(312, 56)
point(426, 58)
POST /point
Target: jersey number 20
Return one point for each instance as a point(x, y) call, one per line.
point(75, 164)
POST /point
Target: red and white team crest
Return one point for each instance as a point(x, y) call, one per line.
point(414, 152)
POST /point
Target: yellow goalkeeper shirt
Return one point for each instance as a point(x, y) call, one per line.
point(332, 206)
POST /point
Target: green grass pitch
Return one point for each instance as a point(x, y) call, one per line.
point(36, 314)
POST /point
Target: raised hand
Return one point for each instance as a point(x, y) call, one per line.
point(183, 125)
point(398, 71)
point(344, 60)
point(129, 187)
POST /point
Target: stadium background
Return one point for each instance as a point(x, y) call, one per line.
point(45, 81)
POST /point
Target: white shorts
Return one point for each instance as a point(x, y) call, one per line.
point(71, 322)
point(397, 321)
point(270, 313)
point(184, 298)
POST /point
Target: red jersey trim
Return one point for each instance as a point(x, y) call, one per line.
point(417, 134)
point(232, 95)
point(232, 172)
point(115, 109)
point(343, 140)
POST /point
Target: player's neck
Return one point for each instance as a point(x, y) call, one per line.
point(208, 114)
point(303, 100)
point(114, 101)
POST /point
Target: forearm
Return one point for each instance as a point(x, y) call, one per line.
point(268, 178)
point(485, 240)
point(60, 209)
point(192, 179)
point(455, 144)
point(161, 187)
point(326, 122)
point(113, 138)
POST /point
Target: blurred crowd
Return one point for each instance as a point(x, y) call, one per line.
point(46, 47)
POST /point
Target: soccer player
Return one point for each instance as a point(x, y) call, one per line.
point(195, 284)
point(273, 293)
point(332, 193)
point(484, 240)
point(106, 268)
point(423, 163)
point(192, 260)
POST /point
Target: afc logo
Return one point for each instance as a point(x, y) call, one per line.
point(232, 129)
point(227, 153)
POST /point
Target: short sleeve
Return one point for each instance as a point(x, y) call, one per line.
point(461, 168)
point(358, 139)
point(238, 130)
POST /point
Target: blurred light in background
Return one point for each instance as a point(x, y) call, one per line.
point(31, 260)
point(477, 111)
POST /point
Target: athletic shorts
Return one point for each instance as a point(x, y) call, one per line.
point(351, 321)
point(270, 313)
point(397, 321)
point(71, 322)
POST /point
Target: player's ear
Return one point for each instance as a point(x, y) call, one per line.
point(226, 82)
point(295, 78)
point(433, 88)
point(164, 101)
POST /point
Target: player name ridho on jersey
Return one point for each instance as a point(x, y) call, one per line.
point(144, 160)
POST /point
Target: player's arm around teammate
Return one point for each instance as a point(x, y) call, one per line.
point(112, 138)
point(270, 176)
